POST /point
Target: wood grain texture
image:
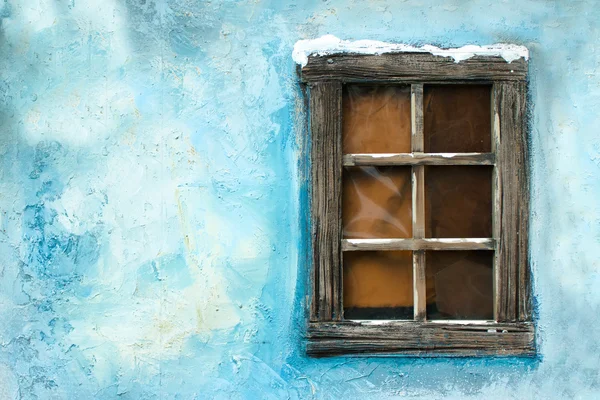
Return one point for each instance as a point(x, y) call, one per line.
point(419, 159)
point(496, 200)
point(326, 207)
point(524, 292)
point(417, 244)
point(513, 301)
point(419, 285)
point(421, 339)
point(416, 115)
point(328, 334)
point(418, 203)
point(410, 67)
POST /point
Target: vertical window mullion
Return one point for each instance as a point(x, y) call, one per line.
point(418, 201)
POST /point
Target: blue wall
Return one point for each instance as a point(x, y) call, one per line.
point(153, 199)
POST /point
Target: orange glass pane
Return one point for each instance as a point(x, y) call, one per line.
point(378, 285)
point(460, 284)
point(457, 118)
point(376, 119)
point(458, 201)
point(377, 202)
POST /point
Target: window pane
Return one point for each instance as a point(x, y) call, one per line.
point(460, 284)
point(458, 201)
point(378, 285)
point(457, 118)
point(377, 202)
point(376, 119)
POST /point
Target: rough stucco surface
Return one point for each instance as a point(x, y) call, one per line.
point(153, 199)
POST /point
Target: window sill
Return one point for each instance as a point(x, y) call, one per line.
point(423, 339)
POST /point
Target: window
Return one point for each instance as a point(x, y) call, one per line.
point(419, 202)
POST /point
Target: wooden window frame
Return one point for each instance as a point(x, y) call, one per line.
point(512, 331)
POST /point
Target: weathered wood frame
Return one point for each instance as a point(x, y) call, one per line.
point(512, 332)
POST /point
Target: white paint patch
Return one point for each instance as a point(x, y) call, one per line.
point(396, 322)
point(9, 387)
point(78, 211)
point(450, 155)
point(39, 14)
point(80, 118)
point(462, 240)
point(330, 44)
point(432, 240)
point(373, 322)
point(383, 155)
point(373, 241)
point(463, 322)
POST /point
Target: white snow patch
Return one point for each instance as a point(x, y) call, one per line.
point(330, 44)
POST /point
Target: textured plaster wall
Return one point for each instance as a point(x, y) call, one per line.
point(153, 199)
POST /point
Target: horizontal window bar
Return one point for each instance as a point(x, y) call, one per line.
point(418, 244)
point(421, 338)
point(419, 159)
point(397, 322)
point(348, 327)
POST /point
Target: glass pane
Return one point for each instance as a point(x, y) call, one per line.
point(377, 202)
point(376, 119)
point(378, 285)
point(458, 201)
point(460, 284)
point(457, 118)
